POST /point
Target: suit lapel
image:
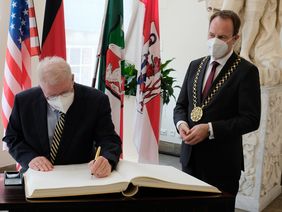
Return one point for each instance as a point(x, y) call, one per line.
point(225, 68)
point(40, 116)
point(201, 80)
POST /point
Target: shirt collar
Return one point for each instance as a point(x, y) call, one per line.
point(222, 60)
point(52, 109)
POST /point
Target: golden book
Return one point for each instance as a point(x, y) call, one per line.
point(76, 180)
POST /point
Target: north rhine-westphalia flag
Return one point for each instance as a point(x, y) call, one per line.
point(143, 50)
point(112, 62)
point(53, 36)
point(22, 44)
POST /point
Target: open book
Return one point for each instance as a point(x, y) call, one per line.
point(74, 180)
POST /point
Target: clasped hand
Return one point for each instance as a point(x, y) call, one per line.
point(194, 135)
point(99, 168)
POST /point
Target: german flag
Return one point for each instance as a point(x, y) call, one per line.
point(53, 38)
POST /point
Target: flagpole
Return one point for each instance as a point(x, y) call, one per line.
point(96, 70)
point(99, 46)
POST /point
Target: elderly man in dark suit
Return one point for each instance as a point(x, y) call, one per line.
point(61, 122)
point(218, 103)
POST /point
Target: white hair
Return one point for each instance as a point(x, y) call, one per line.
point(53, 70)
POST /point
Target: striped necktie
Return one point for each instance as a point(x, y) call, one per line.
point(57, 137)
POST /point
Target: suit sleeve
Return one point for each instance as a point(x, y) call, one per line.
point(106, 136)
point(14, 137)
point(180, 112)
point(249, 108)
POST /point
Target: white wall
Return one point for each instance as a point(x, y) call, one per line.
point(183, 33)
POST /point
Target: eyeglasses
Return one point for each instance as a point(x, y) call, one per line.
point(64, 94)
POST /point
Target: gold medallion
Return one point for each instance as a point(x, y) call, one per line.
point(196, 114)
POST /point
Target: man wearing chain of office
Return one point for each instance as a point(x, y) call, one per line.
point(219, 102)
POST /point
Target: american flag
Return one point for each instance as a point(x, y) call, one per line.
point(22, 43)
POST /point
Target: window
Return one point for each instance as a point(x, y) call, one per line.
point(83, 22)
point(81, 59)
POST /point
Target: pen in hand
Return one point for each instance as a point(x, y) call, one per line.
point(96, 156)
point(97, 153)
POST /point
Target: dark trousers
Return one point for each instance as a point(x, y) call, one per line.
point(223, 183)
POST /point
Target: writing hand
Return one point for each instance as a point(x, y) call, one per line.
point(40, 163)
point(100, 167)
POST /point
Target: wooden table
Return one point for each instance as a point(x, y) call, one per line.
point(12, 198)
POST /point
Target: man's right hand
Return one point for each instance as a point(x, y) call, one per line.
point(184, 131)
point(40, 163)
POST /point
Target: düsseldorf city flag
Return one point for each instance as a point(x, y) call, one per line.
point(143, 50)
point(111, 61)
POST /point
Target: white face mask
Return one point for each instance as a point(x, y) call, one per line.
point(217, 48)
point(62, 102)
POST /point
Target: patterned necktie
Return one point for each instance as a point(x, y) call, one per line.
point(57, 137)
point(210, 79)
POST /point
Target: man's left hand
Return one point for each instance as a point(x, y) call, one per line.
point(197, 134)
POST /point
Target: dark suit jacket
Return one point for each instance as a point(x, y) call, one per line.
point(234, 111)
point(88, 120)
